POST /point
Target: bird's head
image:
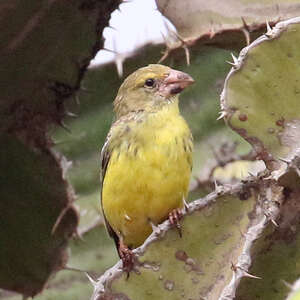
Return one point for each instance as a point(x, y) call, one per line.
point(150, 88)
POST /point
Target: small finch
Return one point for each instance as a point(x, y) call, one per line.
point(146, 159)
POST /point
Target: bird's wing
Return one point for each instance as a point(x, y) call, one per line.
point(104, 158)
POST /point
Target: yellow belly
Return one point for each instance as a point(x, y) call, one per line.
point(140, 189)
point(145, 180)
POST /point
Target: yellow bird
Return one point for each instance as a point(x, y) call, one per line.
point(147, 157)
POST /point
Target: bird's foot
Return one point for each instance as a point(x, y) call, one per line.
point(127, 257)
point(174, 217)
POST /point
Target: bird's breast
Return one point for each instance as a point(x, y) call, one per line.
point(148, 175)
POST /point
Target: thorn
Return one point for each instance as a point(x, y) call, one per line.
point(288, 285)
point(186, 206)
point(268, 26)
point(222, 113)
point(111, 27)
point(74, 269)
point(119, 64)
point(78, 235)
point(218, 188)
point(92, 281)
point(242, 233)
point(59, 218)
point(155, 228)
point(274, 222)
point(64, 126)
point(187, 54)
point(85, 90)
point(269, 30)
point(179, 37)
point(164, 38)
point(246, 274)
point(165, 55)
point(284, 160)
point(231, 63)
point(246, 35)
point(233, 267)
point(110, 50)
point(212, 32)
point(70, 114)
point(245, 25)
point(235, 60)
point(75, 96)
point(216, 184)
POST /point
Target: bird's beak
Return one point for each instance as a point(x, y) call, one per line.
point(174, 83)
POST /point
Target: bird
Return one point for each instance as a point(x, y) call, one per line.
point(146, 160)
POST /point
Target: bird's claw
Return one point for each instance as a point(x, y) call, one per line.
point(127, 257)
point(174, 217)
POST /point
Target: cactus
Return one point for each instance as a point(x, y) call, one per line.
point(44, 55)
point(231, 25)
point(256, 222)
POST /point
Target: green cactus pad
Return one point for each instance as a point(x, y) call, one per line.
point(224, 23)
point(200, 264)
point(260, 99)
point(37, 217)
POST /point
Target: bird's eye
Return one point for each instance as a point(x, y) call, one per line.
point(149, 82)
